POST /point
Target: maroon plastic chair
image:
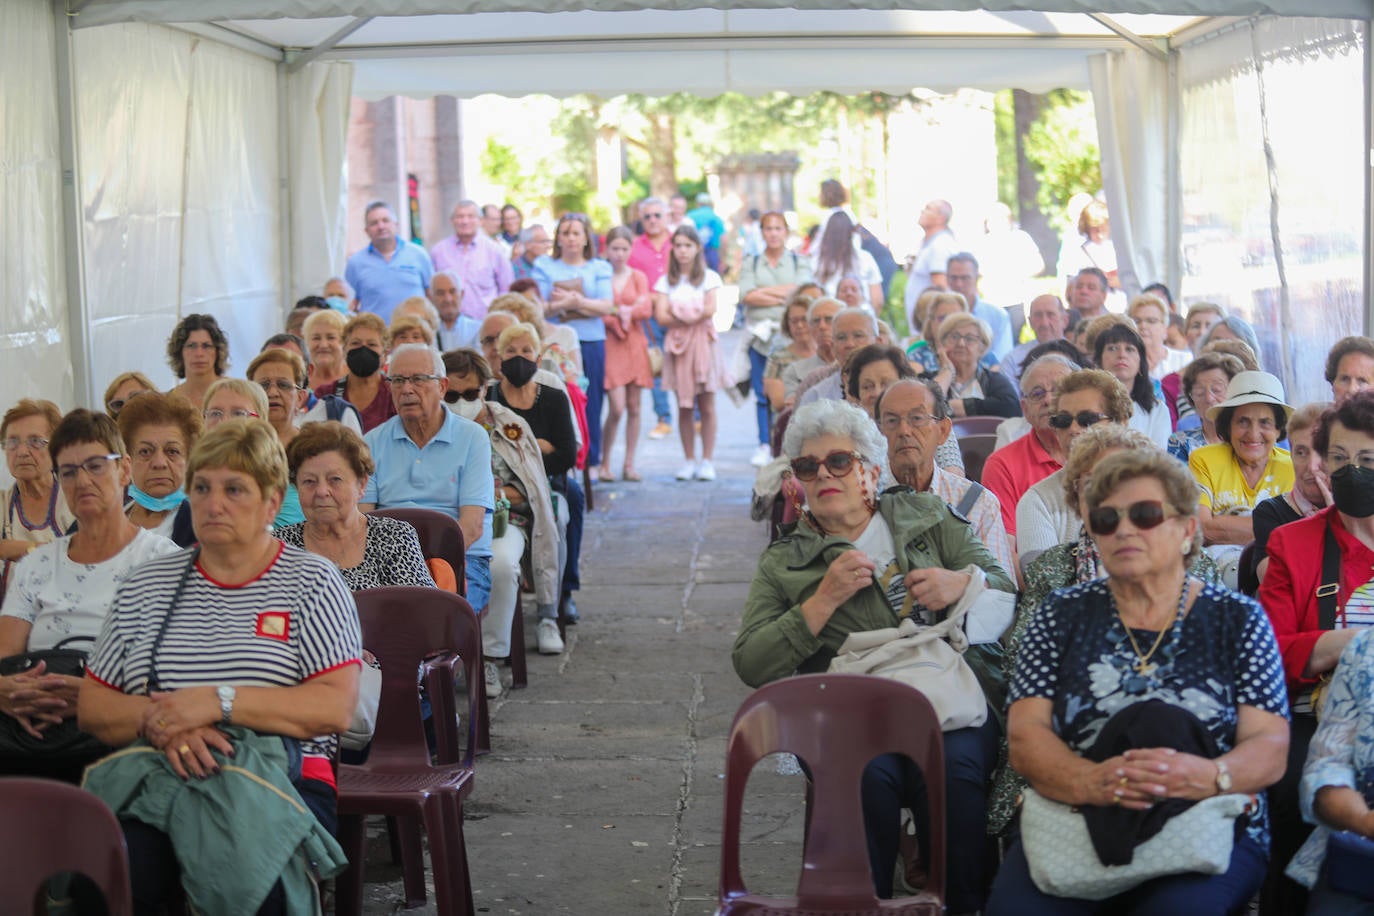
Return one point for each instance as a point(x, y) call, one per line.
point(68, 830)
point(975, 450)
point(976, 426)
point(836, 724)
point(403, 627)
point(780, 421)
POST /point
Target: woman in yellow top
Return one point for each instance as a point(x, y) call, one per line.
point(1244, 468)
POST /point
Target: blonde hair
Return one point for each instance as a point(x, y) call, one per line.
point(241, 386)
point(370, 322)
point(410, 323)
point(329, 317)
point(518, 331)
point(287, 358)
point(521, 307)
point(954, 322)
point(1151, 300)
point(1087, 449)
point(937, 300)
point(123, 377)
point(1103, 323)
point(245, 445)
point(1180, 489)
point(417, 307)
point(1116, 399)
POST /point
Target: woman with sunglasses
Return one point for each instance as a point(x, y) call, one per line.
point(858, 559)
point(1117, 348)
point(1082, 401)
point(537, 526)
point(1148, 650)
point(60, 595)
point(576, 287)
point(124, 388)
point(35, 509)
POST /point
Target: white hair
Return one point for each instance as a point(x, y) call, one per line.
point(836, 418)
point(453, 277)
point(436, 360)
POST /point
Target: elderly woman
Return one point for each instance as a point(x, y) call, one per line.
point(858, 559)
point(1117, 348)
point(364, 386)
point(1203, 383)
point(125, 387)
point(972, 389)
point(234, 399)
point(324, 341)
point(242, 647)
point(35, 510)
point(1198, 322)
point(1350, 366)
point(1107, 668)
point(1233, 327)
point(792, 344)
point(1151, 317)
point(1310, 493)
point(160, 431)
point(870, 370)
point(932, 308)
point(407, 329)
point(198, 353)
point(1247, 466)
point(1083, 399)
point(59, 596)
point(1316, 589)
point(535, 525)
point(561, 354)
point(281, 375)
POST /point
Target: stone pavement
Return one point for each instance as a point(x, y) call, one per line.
point(603, 792)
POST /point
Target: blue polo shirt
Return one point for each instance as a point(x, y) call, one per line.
point(381, 284)
point(452, 470)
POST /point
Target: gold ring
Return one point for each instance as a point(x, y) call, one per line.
point(1123, 782)
point(1116, 800)
point(161, 723)
point(184, 749)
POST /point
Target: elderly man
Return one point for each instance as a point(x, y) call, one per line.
point(649, 255)
point(534, 242)
point(1049, 320)
point(336, 294)
point(455, 329)
point(961, 273)
point(1013, 469)
point(389, 270)
point(937, 247)
point(852, 328)
point(820, 318)
point(482, 266)
point(1090, 293)
point(428, 457)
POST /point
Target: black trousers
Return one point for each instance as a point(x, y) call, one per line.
point(1281, 895)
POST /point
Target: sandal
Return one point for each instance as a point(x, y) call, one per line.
point(630, 475)
point(605, 475)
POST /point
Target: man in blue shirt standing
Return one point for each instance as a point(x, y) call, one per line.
point(389, 270)
point(710, 228)
point(428, 457)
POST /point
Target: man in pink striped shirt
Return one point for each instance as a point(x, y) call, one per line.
point(483, 266)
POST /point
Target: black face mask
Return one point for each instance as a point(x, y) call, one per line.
point(1352, 491)
point(363, 361)
point(518, 370)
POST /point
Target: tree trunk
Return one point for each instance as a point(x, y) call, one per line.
point(662, 143)
point(1026, 107)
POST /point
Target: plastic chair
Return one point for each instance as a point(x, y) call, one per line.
point(404, 626)
point(1247, 576)
point(836, 724)
point(976, 449)
point(55, 827)
point(780, 421)
point(976, 426)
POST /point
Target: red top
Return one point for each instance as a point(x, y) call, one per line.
point(651, 261)
point(1013, 469)
point(1289, 590)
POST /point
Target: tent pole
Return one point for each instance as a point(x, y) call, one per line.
point(1368, 183)
point(73, 224)
point(1173, 179)
point(285, 244)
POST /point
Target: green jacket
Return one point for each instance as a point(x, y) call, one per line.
point(774, 640)
point(235, 834)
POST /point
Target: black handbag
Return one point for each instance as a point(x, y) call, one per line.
point(60, 660)
point(63, 743)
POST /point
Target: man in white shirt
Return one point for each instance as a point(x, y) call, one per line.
point(937, 248)
point(961, 273)
point(455, 329)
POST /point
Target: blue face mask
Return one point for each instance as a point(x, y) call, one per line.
point(157, 503)
point(338, 303)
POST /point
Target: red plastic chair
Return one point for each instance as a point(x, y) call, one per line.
point(975, 450)
point(403, 627)
point(55, 827)
point(976, 426)
point(836, 724)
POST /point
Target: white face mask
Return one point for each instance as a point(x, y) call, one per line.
point(467, 409)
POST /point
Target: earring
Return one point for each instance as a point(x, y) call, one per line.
point(1185, 547)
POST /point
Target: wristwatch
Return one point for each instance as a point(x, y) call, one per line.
point(1223, 776)
point(226, 707)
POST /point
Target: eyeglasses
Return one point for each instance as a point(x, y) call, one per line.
point(32, 443)
point(117, 404)
point(489, 340)
point(1084, 418)
point(967, 340)
point(452, 397)
point(280, 384)
point(215, 415)
point(147, 452)
point(651, 216)
point(1037, 394)
point(891, 422)
point(97, 466)
point(1216, 391)
point(839, 464)
point(1144, 515)
point(400, 381)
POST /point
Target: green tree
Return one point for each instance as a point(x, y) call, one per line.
point(1062, 144)
point(501, 165)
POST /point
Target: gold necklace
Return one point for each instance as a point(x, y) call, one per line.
point(1142, 663)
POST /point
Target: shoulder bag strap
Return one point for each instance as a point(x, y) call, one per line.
point(167, 618)
point(971, 495)
point(1330, 590)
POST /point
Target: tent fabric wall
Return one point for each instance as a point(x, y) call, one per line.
point(1130, 89)
point(33, 298)
point(318, 97)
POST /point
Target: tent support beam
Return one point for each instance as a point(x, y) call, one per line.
point(286, 240)
point(1368, 163)
point(1173, 176)
point(296, 61)
point(1144, 44)
point(73, 220)
point(231, 37)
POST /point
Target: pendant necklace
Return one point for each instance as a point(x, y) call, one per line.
point(1143, 665)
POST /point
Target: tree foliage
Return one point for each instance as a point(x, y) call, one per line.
point(1062, 144)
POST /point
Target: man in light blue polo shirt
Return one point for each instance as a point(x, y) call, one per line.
point(428, 457)
point(389, 270)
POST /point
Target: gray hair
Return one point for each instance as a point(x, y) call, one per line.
point(824, 300)
point(836, 418)
point(452, 276)
point(860, 310)
point(436, 360)
point(965, 257)
point(466, 203)
point(1051, 359)
point(341, 281)
point(378, 205)
point(527, 234)
point(1239, 327)
point(653, 200)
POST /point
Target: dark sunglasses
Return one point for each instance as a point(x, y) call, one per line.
point(839, 464)
point(1144, 515)
point(1085, 418)
point(452, 397)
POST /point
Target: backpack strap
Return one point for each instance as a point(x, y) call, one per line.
point(971, 495)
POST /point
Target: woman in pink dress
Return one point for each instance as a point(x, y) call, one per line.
point(627, 352)
point(685, 304)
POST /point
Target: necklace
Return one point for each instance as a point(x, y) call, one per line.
point(1142, 661)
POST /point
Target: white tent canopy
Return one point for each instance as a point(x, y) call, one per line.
point(178, 156)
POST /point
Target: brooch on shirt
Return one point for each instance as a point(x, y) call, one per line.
point(512, 431)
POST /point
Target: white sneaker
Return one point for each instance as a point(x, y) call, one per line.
point(762, 455)
point(492, 676)
point(550, 643)
point(706, 471)
point(687, 471)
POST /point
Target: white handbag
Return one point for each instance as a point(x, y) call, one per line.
point(1064, 863)
point(364, 724)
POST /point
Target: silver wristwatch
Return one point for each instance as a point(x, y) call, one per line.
point(226, 703)
point(1223, 776)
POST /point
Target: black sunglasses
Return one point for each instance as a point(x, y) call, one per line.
point(452, 397)
point(1144, 515)
point(839, 464)
point(1085, 418)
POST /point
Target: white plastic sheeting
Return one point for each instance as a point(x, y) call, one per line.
point(317, 118)
point(33, 300)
